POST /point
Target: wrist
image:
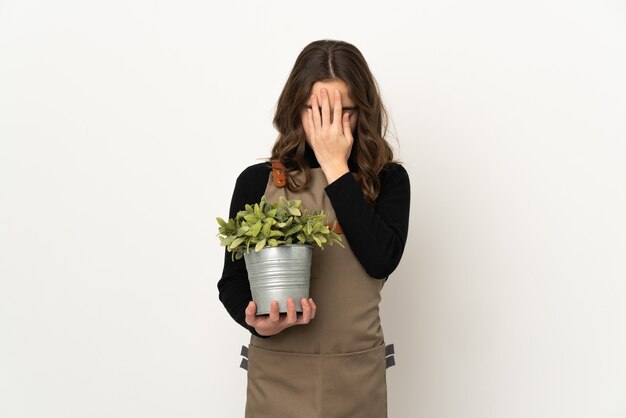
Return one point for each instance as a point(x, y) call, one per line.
point(334, 172)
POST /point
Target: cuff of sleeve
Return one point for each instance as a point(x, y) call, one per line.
point(342, 184)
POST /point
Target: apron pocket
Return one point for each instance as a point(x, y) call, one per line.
point(300, 385)
point(283, 384)
point(355, 384)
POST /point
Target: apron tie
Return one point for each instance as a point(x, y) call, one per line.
point(389, 359)
point(244, 360)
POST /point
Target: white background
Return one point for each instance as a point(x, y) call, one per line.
point(124, 125)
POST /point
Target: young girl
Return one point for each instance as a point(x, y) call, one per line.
point(329, 360)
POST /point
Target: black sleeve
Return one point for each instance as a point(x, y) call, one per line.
point(376, 235)
point(234, 287)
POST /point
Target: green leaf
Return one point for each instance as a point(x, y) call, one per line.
point(293, 230)
point(281, 212)
point(266, 228)
point(259, 245)
point(336, 238)
point(272, 224)
point(235, 243)
point(226, 241)
point(256, 228)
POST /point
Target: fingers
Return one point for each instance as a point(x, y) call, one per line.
point(323, 120)
point(347, 129)
point(306, 125)
point(325, 109)
point(306, 312)
point(251, 318)
point(317, 121)
point(291, 311)
point(337, 109)
point(313, 307)
point(310, 123)
point(274, 314)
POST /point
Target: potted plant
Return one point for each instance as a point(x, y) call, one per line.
point(281, 236)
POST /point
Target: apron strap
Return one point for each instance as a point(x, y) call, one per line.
point(280, 180)
point(337, 229)
point(244, 360)
point(278, 172)
point(389, 359)
point(389, 350)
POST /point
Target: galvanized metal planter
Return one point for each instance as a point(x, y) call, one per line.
point(278, 273)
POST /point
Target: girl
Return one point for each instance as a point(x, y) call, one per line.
point(331, 153)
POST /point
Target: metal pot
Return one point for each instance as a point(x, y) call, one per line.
point(278, 273)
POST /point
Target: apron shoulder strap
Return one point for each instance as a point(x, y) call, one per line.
point(278, 173)
point(280, 180)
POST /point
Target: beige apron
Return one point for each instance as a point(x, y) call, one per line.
point(335, 366)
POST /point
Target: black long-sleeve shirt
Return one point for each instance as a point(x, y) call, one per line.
point(377, 235)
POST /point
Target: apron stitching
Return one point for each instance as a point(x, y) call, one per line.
point(320, 355)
